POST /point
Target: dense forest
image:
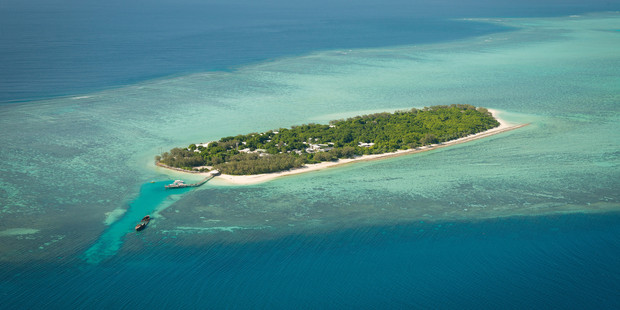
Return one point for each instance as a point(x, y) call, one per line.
point(283, 149)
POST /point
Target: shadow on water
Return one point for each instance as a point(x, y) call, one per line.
point(151, 196)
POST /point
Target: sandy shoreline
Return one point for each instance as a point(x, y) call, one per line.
point(260, 178)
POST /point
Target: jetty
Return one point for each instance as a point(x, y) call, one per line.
point(181, 184)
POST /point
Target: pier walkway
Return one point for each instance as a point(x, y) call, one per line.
point(181, 184)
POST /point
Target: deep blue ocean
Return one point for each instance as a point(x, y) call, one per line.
point(51, 49)
point(58, 48)
point(553, 262)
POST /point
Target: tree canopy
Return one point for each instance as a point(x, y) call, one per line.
point(286, 148)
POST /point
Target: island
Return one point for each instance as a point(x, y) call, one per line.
point(286, 150)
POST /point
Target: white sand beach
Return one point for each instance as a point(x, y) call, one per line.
point(260, 178)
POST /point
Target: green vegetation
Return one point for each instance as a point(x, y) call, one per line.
point(379, 133)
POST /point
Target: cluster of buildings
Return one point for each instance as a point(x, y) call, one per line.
point(310, 147)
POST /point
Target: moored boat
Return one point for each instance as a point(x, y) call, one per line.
point(143, 223)
point(177, 184)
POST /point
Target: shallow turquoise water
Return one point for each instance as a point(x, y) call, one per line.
point(151, 196)
point(70, 164)
point(559, 74)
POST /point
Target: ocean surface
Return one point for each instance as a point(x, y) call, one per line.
point(91, 92)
